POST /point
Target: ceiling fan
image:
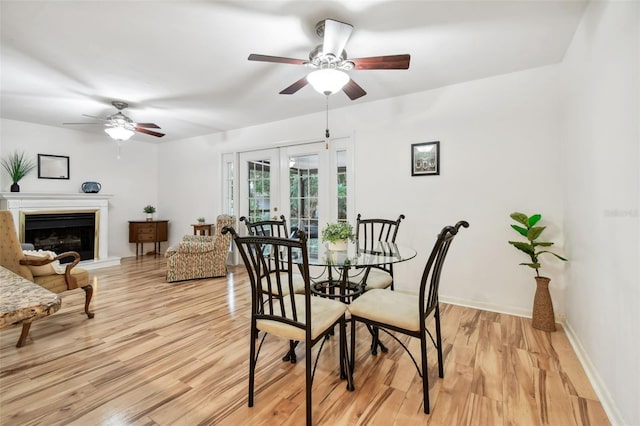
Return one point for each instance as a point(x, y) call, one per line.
point(330, 61)
point(121, 127)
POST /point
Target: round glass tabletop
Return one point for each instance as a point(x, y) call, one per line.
point(381, 254)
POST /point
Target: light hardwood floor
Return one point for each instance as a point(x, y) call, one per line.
point(164, 354)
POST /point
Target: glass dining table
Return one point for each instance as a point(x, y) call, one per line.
point(335, 281)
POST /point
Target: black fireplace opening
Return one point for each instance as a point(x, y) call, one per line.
point(61, 232)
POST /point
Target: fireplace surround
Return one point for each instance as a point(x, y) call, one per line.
point(22, 205)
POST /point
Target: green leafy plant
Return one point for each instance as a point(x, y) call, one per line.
point(149, 209)
point(338, 231)
point(17, 165)
point(531, 233)
point(201, 219)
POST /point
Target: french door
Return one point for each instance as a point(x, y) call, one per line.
point(308, 184)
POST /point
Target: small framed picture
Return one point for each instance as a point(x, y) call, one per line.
point(53, 166)
point(425, 158)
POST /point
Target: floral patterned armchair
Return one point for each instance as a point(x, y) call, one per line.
point(200, 256)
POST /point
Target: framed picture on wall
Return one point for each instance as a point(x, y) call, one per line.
point(425, 158)
point(53, 166)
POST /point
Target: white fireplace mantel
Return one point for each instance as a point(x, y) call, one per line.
point(26, 202)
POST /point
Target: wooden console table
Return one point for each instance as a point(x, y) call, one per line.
point(149, 231)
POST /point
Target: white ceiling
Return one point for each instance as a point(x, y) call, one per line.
point(183, 64)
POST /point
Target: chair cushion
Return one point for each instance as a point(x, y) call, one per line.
point(378, 278)
point(57, 283)
point(191, 246)
point(388, 307)
point(48, 269)
point(297, 283)
point(324, 313)
point(204, 238)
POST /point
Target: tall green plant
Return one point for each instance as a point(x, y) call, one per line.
point(17, 165)
point(531, 233)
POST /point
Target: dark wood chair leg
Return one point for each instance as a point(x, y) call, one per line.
point(24, 334)
point(88, 289)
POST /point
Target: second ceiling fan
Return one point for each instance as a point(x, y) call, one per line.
point(330, 61)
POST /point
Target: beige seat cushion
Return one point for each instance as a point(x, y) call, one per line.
point(324, 313)
point(388, 307)
point(378, 278)
point(298, 284)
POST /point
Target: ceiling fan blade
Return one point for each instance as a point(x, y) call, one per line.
point(353, 90)
point(336, 35)
point(278, 59)
point(392, 62)
point(295, 86)
point(92, 116)
point(148, 132)
point(148, 125)
point(81, 123)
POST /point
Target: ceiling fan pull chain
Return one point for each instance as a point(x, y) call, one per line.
point(326, 132)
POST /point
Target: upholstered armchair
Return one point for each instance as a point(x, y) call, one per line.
point(200, 256)
point(38, 269)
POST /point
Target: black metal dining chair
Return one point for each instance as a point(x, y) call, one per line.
point(269, 227)
point(406, 313)
point(369, 232)
point(277, 310)
point(276, 228)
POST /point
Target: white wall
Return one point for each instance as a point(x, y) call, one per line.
point(602, 187)
point(499, 143)
point(132, 179)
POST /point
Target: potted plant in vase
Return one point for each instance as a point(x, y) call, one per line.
point(200, 220)
point(18, 167)
point(149, 210)
point(337, 234)
point(543, 317)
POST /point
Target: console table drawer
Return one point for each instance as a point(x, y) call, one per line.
point(146, 236)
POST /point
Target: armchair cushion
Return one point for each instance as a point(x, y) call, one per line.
point(39, 270)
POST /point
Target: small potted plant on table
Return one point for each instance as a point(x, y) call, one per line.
point(543, 317)
point(149, 210)
point(337, 235)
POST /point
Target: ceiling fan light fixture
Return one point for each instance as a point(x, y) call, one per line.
point(328, 81)
point(119, 133)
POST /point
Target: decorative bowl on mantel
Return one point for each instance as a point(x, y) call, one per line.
point(91, 187)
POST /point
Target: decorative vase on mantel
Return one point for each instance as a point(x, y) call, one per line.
point(15, 187)
point(149, 217)
point(543, 317)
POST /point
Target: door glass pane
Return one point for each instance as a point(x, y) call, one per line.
point(303, 202)
point(259, 196)
point(229, 188)
point(341, 157)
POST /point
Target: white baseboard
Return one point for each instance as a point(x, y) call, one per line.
point(101, 263)
point(608, 404)
point(509, 310)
